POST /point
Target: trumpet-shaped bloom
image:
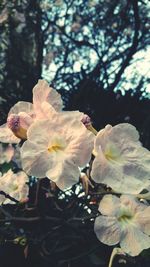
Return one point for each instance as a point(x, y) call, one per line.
point(23, 114)
point(14, 184)
point(120, 160)
point(56, 148)
point(6, 153)
point(124, 220)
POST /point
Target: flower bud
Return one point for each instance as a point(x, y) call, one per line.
point(86, 120)
point(19, 124)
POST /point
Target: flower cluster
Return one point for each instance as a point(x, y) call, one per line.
point(59, 144)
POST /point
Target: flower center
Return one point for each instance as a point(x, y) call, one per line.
point(56, 145)
point(111, 152)
point(15, 187)
point(125, 218)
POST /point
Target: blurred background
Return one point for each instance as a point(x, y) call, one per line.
point(96, 53)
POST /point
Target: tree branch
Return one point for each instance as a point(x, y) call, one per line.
point(132, 49)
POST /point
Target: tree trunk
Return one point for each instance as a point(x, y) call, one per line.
point(21, 49)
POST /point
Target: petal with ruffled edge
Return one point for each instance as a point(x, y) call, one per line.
point(124, 131)
point(133, 241)
point(109, 205)
point(22, 106)
point(42, 92)
point(107, 230)
point(47, 111)
point(7, 136)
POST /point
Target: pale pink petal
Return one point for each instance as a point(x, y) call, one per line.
point(109, 205)
point(64, 174)
point(40, 131)
point(46, 111)
point(34, 159)
point(14, 184)
point(102, 138)
point(25, 120)
point(124, 131)
point(107, 230)
point(42, 92)
point(9, 153)
point(7, 136)
point(130, 185)
point(136, 169)
point(77, 115)
point(104, 172)
point(81, 146)
point(143, 220)
point(133, 241)
point(21, 106)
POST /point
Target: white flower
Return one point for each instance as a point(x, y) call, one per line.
point(126, 221)
point(14, 184)
point(6, 153)
point(56, 148)
point(23, 114)
point(120, 160)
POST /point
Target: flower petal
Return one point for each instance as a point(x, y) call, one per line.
point(21, 106)
point(42, 92)
point(124, 131)
point(102, 138)
point(133, 241)
point(109, 205)
point(143, 220)
point(14, 184)
point(64, 174)
point(34, 159)
point(104, 172)
point(7, 136)
point(107, 230)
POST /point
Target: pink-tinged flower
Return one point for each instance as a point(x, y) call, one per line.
point(120, 160)
point(23, 114)
point(6, 153)
point(14, 184)
point(124, 220)
point(56, 148)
